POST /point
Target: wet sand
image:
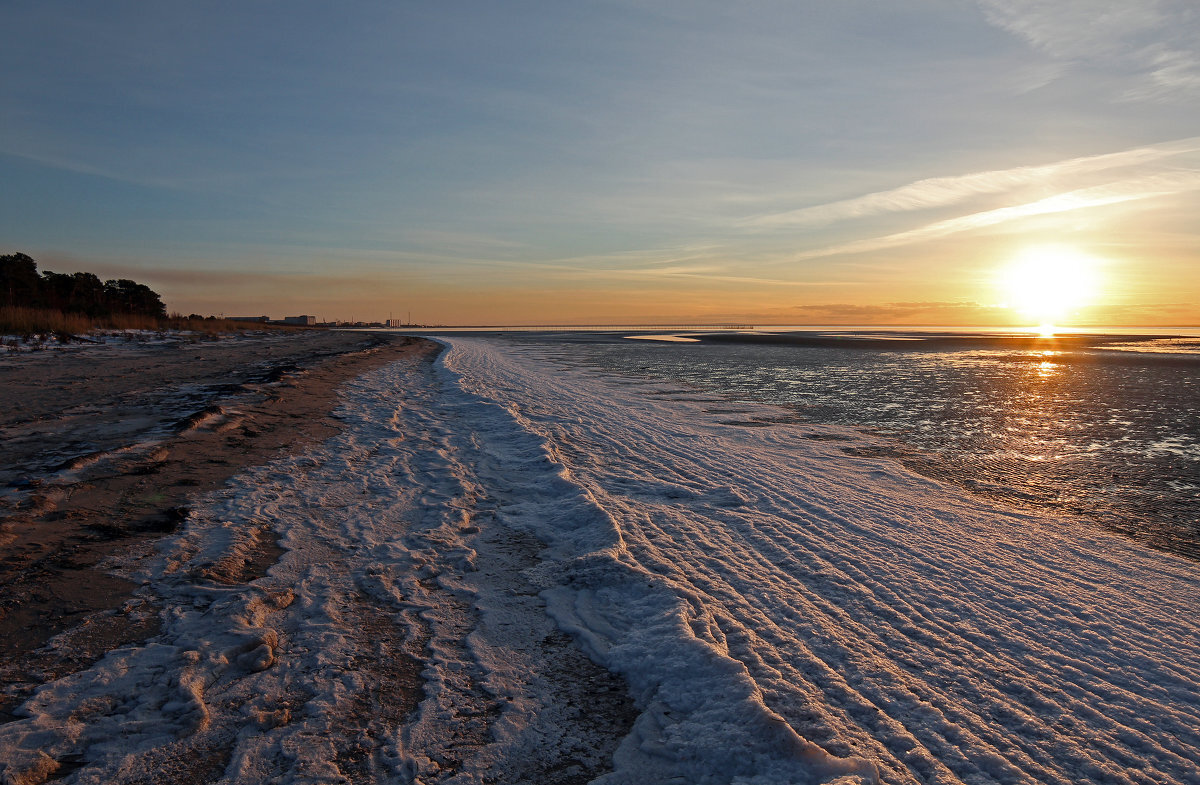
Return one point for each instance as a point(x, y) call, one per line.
point(102, 449)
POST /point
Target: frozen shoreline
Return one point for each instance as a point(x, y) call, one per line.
point(777, 610)
point(103, 449)
point(881, 614)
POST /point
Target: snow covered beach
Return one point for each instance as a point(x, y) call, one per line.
point(103, 447)
point(756, 606)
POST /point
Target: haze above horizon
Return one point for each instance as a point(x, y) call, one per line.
point(998, 162)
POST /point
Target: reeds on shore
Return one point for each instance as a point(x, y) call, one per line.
point(27, 323)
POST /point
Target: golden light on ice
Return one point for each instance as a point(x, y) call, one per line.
point(1048, 283)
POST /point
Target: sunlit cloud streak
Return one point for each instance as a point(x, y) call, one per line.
point(886, 311)
point(944, 191)
point(1084, 198)
point(705, 274)
point(644, 266)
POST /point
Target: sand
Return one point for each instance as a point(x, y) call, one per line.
point(311, 619)
point(102, 449)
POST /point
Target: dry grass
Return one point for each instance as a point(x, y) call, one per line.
point(27, 322)
point(30, 322)
point(177, 321)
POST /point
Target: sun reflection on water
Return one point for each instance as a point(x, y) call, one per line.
point(1048, 366)
point(1077, 429)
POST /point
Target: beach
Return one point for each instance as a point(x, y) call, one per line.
point(103, 448)
point(167, 429)
point(477, 562)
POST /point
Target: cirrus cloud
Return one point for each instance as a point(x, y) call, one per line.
point(1154, 41)
point(945, 191)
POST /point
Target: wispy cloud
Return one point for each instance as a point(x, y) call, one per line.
point(77, 167)
point(1170, 70)
point(1138, 189)
point(698, 263)
point(1068, 29)
point(705, 274)
point(1152, 39)
point(885, 313)
point(944, 191)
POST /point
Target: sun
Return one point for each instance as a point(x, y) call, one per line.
point(1048, 283)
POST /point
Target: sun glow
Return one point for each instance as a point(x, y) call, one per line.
point(1049, 283)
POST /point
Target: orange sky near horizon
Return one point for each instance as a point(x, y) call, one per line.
point(962, 287)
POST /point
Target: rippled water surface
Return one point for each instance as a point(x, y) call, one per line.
point(1102, 428)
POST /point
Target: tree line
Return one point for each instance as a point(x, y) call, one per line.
point(22, 286)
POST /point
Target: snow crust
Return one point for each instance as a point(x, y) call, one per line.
point(51, 341)
point(878, 613)
point(782, 612)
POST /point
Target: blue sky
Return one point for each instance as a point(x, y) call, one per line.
point(467, 161)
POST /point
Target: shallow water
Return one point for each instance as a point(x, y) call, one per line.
point(1107, 430)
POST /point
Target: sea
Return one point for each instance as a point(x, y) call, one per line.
point(1102, 424)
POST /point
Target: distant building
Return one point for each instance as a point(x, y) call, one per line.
point(395, 322)
point(304, 320)
point(249, 319)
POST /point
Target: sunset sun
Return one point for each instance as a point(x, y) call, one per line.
point(1048, 283)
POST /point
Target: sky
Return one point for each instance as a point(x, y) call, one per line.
point(618, 161)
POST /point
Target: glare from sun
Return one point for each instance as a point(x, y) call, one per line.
point(1048, 283)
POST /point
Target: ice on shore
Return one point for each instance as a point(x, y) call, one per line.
point(880, 614)
point(780, 611)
